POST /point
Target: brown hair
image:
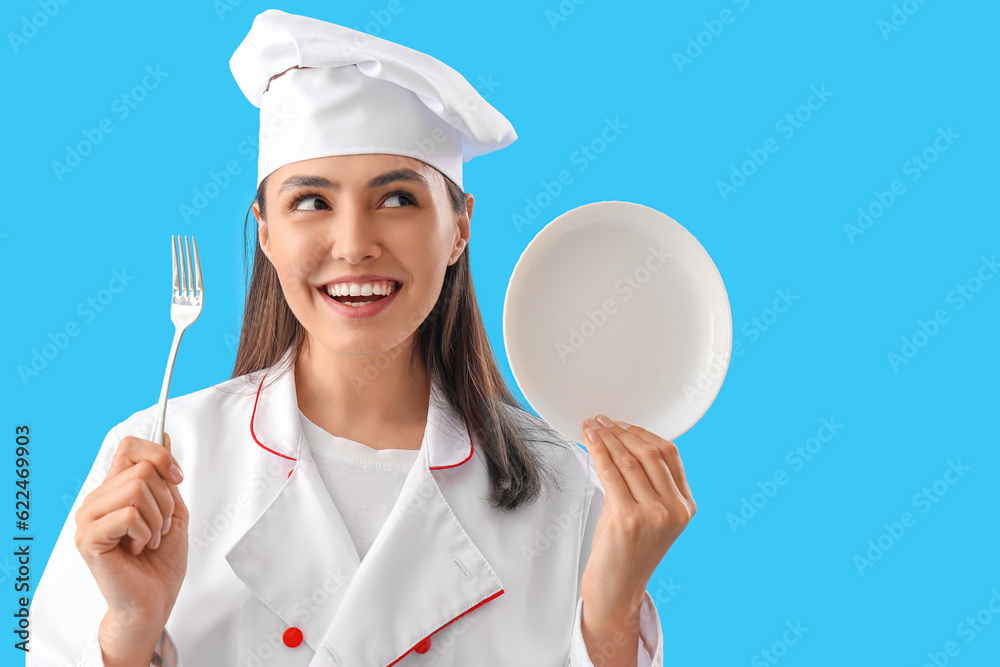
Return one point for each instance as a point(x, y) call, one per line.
point(452, 341)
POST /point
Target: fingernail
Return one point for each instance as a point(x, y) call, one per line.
point(622, 424)
point(591, 423)
point(166, 526)
point(176, 476)
point(604, 420)
point(155, 542)
point(591, 435)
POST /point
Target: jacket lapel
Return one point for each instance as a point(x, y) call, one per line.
point(297, 557)
point(422, 571)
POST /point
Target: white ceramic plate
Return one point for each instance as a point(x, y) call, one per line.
point(615, 308)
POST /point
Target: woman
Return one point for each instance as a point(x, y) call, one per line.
point(364, 490)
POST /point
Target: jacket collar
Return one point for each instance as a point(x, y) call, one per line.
point(275, 425)
point(422, 572)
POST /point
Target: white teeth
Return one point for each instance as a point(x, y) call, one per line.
point(383, 288)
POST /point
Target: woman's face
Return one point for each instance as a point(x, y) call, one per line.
point(331, 220)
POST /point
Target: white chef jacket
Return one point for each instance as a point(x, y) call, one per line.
point(363, 482)
point(448, 581)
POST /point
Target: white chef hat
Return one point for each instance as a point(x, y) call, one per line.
point(324, 89)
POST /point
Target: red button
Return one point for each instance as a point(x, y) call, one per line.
point(292, 637)
point(423, 646)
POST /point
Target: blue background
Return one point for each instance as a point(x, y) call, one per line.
point(725, 590)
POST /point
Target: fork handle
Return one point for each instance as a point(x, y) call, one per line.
point(157, 434)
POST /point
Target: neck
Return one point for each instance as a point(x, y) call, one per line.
point(355, 398)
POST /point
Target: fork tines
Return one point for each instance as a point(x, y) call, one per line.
point(187, 280)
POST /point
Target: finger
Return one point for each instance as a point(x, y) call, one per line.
point(653, 459)
point(166, 442)
point(180, 512)
point(631, 468)
point(123, 493)
point(131, 450)
point(106, 533)
point(670, 452)
point(615, 488)
point(141, 487)
point(171, 491)
point(144, 470)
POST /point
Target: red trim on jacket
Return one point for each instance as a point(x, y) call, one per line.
point(455, 465)
point(254, 414)
point(263, 446)
point(427, 638)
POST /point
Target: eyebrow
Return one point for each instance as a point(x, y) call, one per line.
point(378, 181)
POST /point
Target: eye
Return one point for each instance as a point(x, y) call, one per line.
point(314, 203)
point(398, 199)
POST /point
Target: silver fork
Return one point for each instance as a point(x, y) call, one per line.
point(185, 307)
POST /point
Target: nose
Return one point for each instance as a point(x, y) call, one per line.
point(354, 236)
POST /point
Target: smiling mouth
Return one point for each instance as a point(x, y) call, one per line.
point(376, 292)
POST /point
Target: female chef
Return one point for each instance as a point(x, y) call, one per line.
point(364, 491)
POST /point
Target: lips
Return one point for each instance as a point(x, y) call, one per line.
point(359, 307)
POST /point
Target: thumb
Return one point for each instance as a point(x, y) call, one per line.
point(176, 465)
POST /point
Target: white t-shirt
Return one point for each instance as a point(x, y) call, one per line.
point(363, 482)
